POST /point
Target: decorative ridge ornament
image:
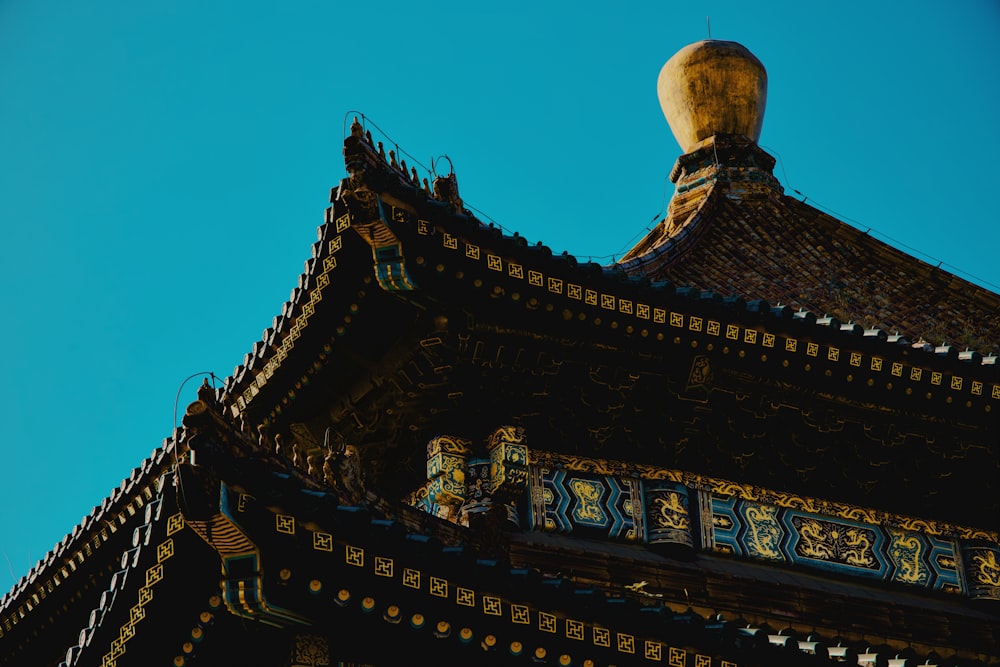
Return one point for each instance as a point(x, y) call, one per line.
point(713, 87)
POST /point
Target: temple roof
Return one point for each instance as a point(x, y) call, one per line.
point(476, 312)
point(741, 349)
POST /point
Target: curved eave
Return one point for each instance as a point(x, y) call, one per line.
point(353, 560)
point(341, 264)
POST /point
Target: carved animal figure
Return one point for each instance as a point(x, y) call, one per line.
point(989, 568)
point(764, 532)
point(350, 474)
point(905, 554)
point(672, 514)
point(859, 552)
point(814, 541)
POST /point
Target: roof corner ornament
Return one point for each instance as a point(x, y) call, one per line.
point(351, 476)
point(356, 129)
point(446, 190)
point(369, 220)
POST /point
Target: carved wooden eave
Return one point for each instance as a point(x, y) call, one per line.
point(472, 326)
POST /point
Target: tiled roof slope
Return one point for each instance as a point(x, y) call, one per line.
point(53, 601)
point(731, 229)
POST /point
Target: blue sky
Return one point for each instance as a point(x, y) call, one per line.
point(165, 164)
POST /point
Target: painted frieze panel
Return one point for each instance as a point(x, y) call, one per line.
point(942, 558)
point(589, 497)
point(310, 651)
point(923, 560)
point(726, 526)
point(768, 532)
point(835, 545)
point(479, 495)
point(565, 502)
point(668, 514)
point(614, 501)
point(508, 449)
point(982, 571)
point(906, 551)
point(747, 529)
point(478, 487)
point(762, 534)
point(447, 458)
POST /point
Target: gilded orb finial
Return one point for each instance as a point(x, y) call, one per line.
point(712, 87)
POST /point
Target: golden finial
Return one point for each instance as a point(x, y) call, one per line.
point(713, 87)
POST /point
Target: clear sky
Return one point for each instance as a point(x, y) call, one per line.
point(164, 165)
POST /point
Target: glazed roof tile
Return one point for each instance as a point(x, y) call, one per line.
point(84, 543)
point(767, 245)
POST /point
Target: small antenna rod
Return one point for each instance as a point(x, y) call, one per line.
point(708, 20)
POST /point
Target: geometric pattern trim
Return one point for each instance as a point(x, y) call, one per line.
point(175, 523)
point(154, 575)
point(301, 321)
point(726, 488)
point(746, 339)
point(566, 496)
point(140, 496)
point(602, 506)
point(618, 643)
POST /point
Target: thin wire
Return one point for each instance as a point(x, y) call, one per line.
point(869, 229)
point(782, 163)
point(485, 215)
point(177, 398)
point(451, 165)
point(859, 225)
point(940, 262)
point(365, 121)
point(635, 237)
